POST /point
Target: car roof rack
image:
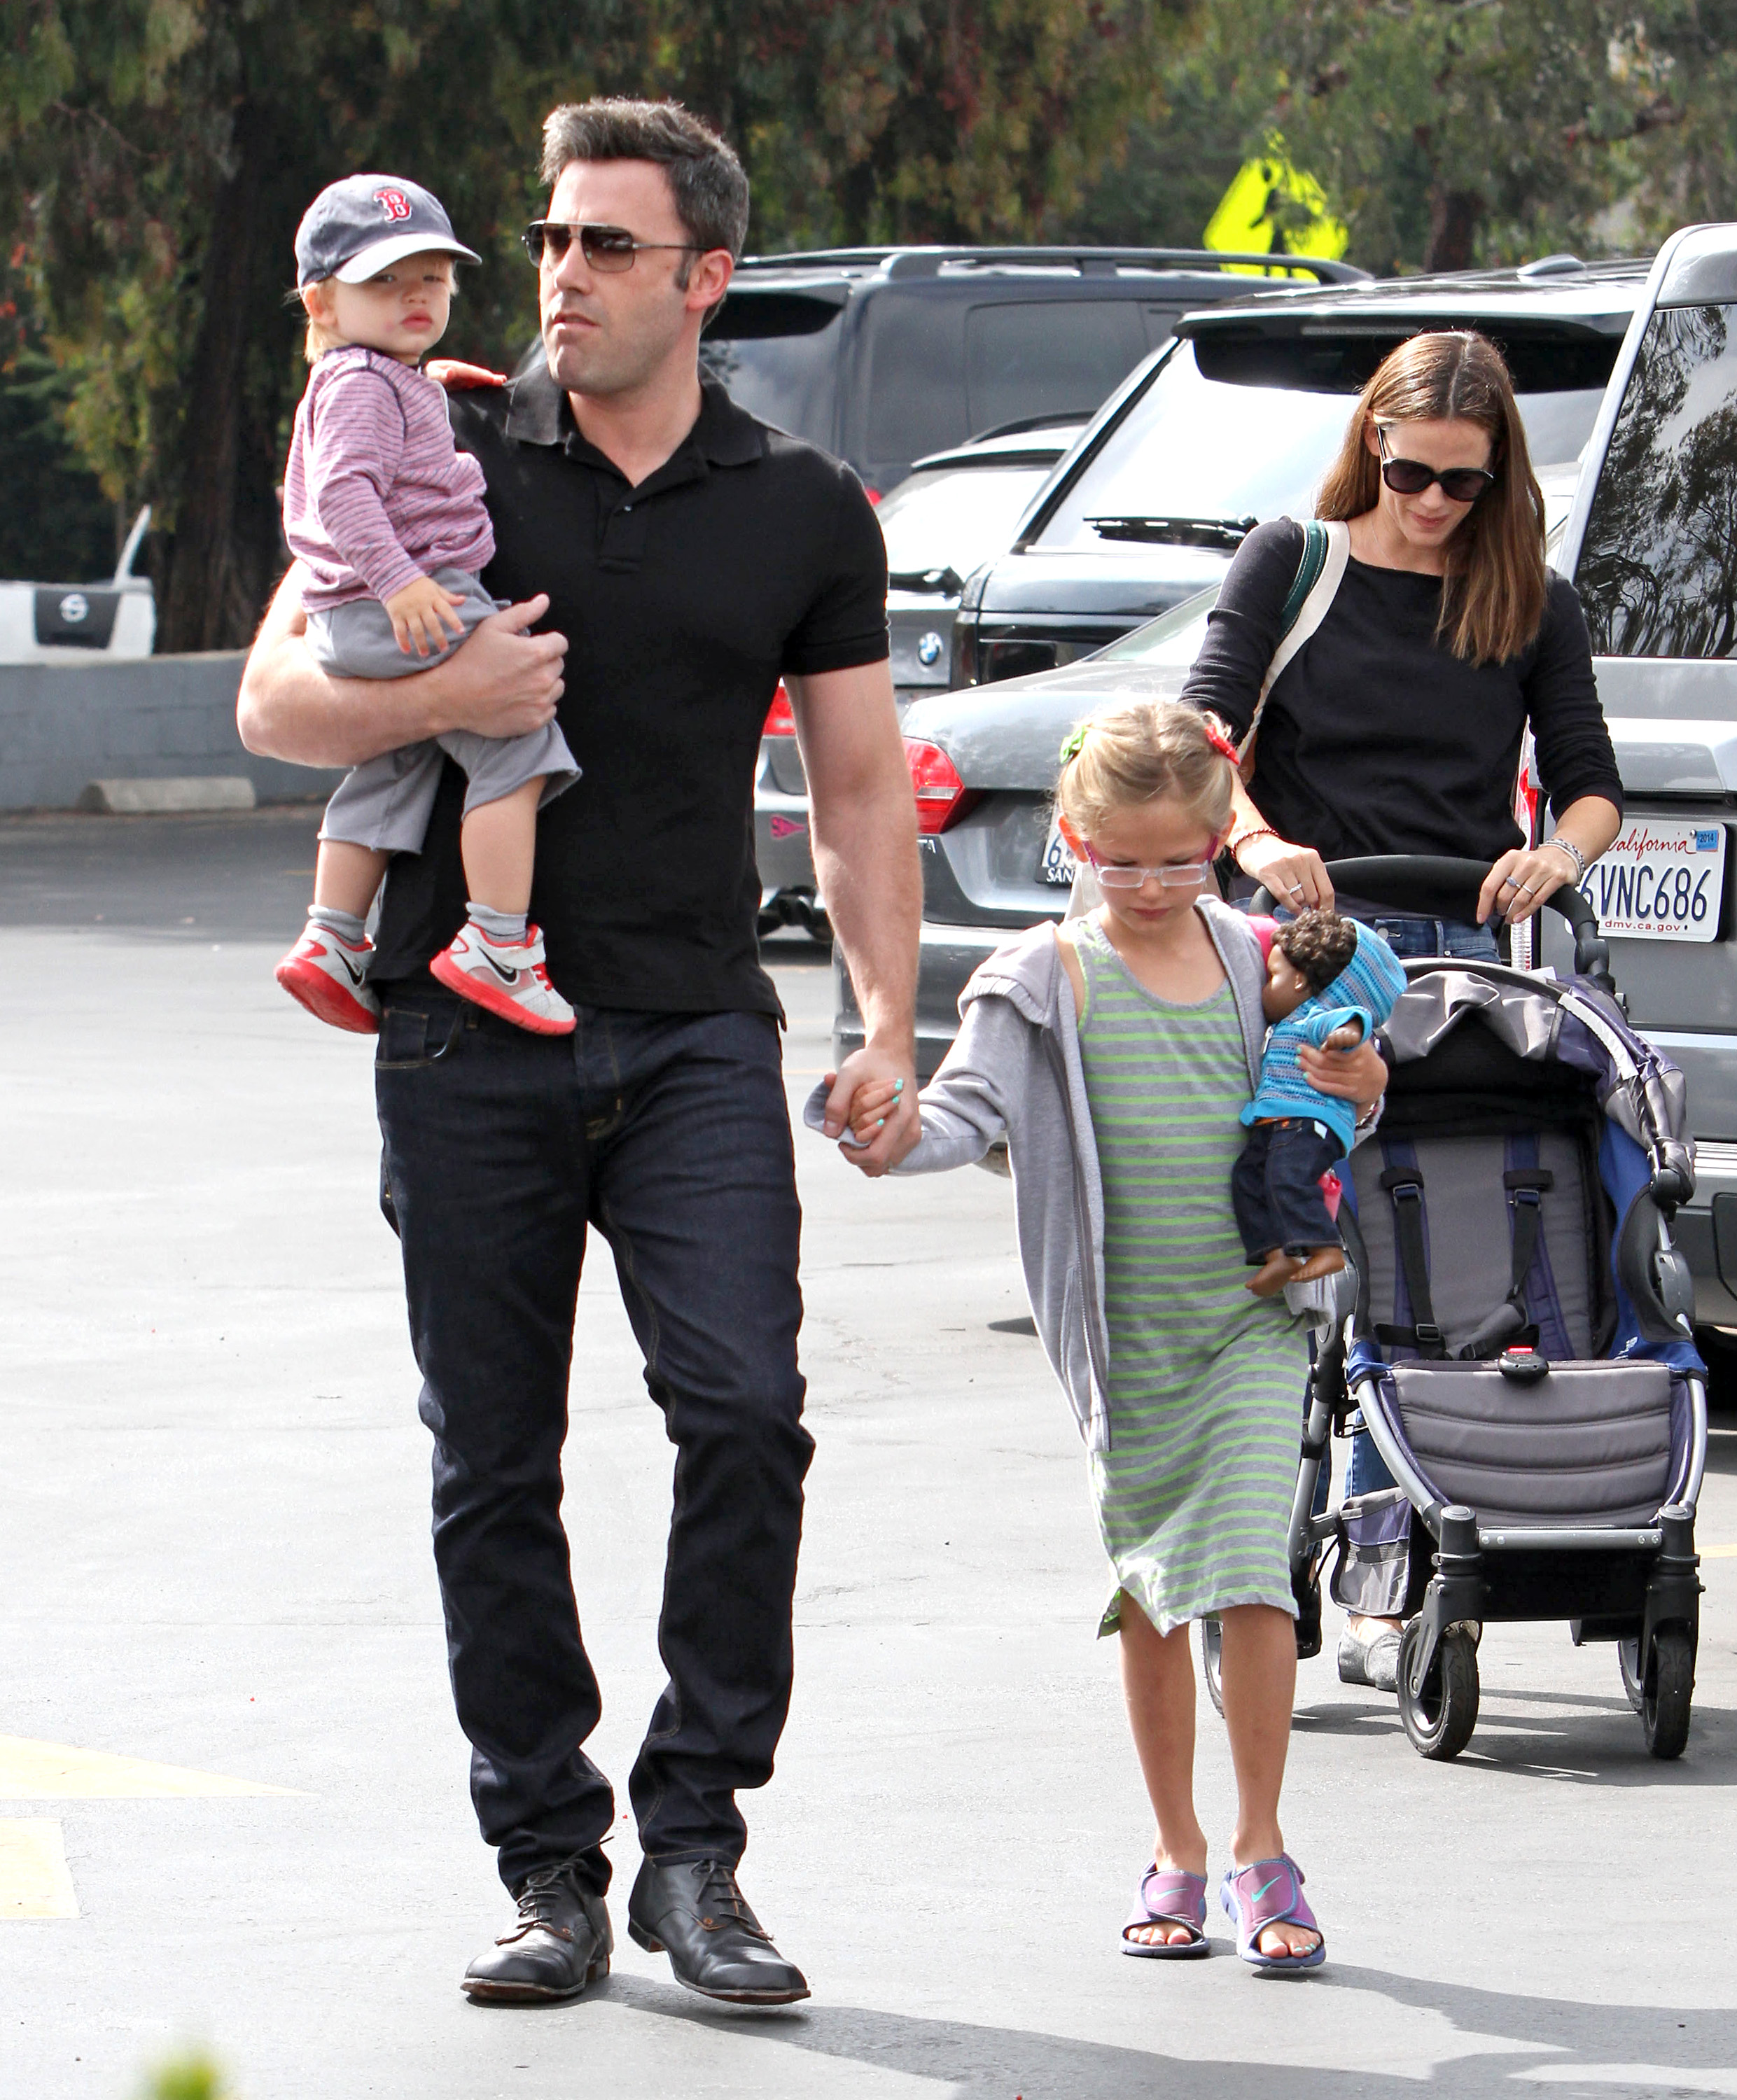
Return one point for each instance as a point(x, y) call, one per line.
point(930, 261)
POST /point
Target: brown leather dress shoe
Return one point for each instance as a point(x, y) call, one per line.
point(561, 1943)
point(693, 1911)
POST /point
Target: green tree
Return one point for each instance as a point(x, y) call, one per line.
point(157, 156)
point(1448, 134)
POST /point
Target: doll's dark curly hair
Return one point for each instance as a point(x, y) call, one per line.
point(1321, 944)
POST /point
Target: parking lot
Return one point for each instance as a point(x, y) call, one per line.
point(226, 1705)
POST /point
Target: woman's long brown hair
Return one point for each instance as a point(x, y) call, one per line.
point(1494, 589)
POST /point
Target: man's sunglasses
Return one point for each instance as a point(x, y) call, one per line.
point(606, 248)
point(1404, 476)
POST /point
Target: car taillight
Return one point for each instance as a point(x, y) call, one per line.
point(873, 496)
point(942, 796)
point(780, 720)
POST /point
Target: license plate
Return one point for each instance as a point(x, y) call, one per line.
point(1056, 865)
point(1659, 882)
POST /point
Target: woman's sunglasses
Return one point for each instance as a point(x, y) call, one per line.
point(1404, 476)
point(610, 248)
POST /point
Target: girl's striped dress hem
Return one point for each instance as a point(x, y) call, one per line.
point(1205, 1386)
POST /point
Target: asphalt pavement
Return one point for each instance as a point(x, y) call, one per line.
point(232, 1789)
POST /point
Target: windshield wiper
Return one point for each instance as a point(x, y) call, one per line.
point(944, 583)
point(1226, 535)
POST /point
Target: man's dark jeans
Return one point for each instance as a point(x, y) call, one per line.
point(671, 1134)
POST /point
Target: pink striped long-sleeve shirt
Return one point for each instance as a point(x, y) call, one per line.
point(376, 493)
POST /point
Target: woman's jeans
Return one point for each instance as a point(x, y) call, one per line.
point(1407, 936)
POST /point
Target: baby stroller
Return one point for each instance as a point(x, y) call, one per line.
point(1514, 1326)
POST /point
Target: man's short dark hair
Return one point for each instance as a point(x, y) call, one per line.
point(1321, 944)
point(709, 187)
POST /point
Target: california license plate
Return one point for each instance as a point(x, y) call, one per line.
point(1659, 882)
point(1056, 865)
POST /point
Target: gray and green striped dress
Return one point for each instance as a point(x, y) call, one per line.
point(1206, 1380)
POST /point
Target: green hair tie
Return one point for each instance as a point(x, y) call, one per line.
point(1076, 742)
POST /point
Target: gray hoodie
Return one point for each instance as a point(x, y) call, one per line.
point(1014, 1071)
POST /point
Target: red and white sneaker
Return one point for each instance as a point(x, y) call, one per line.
point(509, 977)
point(326, 973)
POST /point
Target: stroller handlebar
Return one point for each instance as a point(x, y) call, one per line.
point(1436, 883)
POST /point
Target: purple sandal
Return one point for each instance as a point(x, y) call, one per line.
point(1270, 1893)
point(1168, 1897)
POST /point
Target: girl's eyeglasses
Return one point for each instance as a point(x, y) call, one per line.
point(1174, 875)
point(610, 248)
point(1404, 476)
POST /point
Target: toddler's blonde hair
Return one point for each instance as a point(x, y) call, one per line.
point(1133, 752)
point(319, 338)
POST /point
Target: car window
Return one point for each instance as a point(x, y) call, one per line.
point(777, 353)
point(1173, 637)
point(915, 382)
point(1658, 566)
point(1055, 358)
point(1250, 437)
point(954, 517)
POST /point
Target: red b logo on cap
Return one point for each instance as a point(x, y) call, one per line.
point(394, 203)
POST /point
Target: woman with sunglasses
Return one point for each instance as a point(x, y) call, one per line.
point(1397, 727)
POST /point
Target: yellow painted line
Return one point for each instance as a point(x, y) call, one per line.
point(33, 1878)
point(1717, 1552)
point(58, 1771)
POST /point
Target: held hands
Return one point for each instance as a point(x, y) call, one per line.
point(420, 613)
point(1295, 875)
point(1522, 880)
point(1346, 1038)
point(874, 1095)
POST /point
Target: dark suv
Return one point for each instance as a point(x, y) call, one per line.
point(1237, 420)
point(882, 356)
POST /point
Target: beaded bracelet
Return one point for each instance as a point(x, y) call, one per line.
point(1233, 847)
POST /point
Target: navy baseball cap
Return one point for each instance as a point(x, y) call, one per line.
point(356, 228)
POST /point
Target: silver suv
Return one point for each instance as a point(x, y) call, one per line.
point(1651, 545)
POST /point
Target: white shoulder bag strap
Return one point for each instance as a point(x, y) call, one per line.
point(1326, 548)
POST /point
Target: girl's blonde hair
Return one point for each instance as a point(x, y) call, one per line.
point(1134, 752)
point(1494, 590)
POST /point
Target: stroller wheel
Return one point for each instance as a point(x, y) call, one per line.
point(1211, 1650)
point(1668, 1688)
point(1440, 1715)
point(1629, 1661)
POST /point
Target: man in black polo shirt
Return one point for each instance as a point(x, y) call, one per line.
point(689, 556)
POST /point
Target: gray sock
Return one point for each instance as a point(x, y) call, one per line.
point(345, 925)
point(507, 927)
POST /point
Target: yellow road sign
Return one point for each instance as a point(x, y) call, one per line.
point(1273, 209)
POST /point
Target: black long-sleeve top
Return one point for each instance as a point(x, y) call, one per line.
point(1375, 738)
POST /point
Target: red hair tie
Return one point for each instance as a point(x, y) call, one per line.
point(1216, 737)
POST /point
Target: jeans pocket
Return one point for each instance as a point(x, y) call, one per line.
point(412, 1037)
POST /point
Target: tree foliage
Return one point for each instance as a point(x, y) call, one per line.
point(158, 153)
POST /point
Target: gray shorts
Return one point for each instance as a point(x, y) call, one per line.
point(385, 803)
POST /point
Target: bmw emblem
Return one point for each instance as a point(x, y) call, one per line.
point(929, 649)
point(76, 606)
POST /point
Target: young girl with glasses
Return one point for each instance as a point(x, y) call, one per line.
point(1115, 1054)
